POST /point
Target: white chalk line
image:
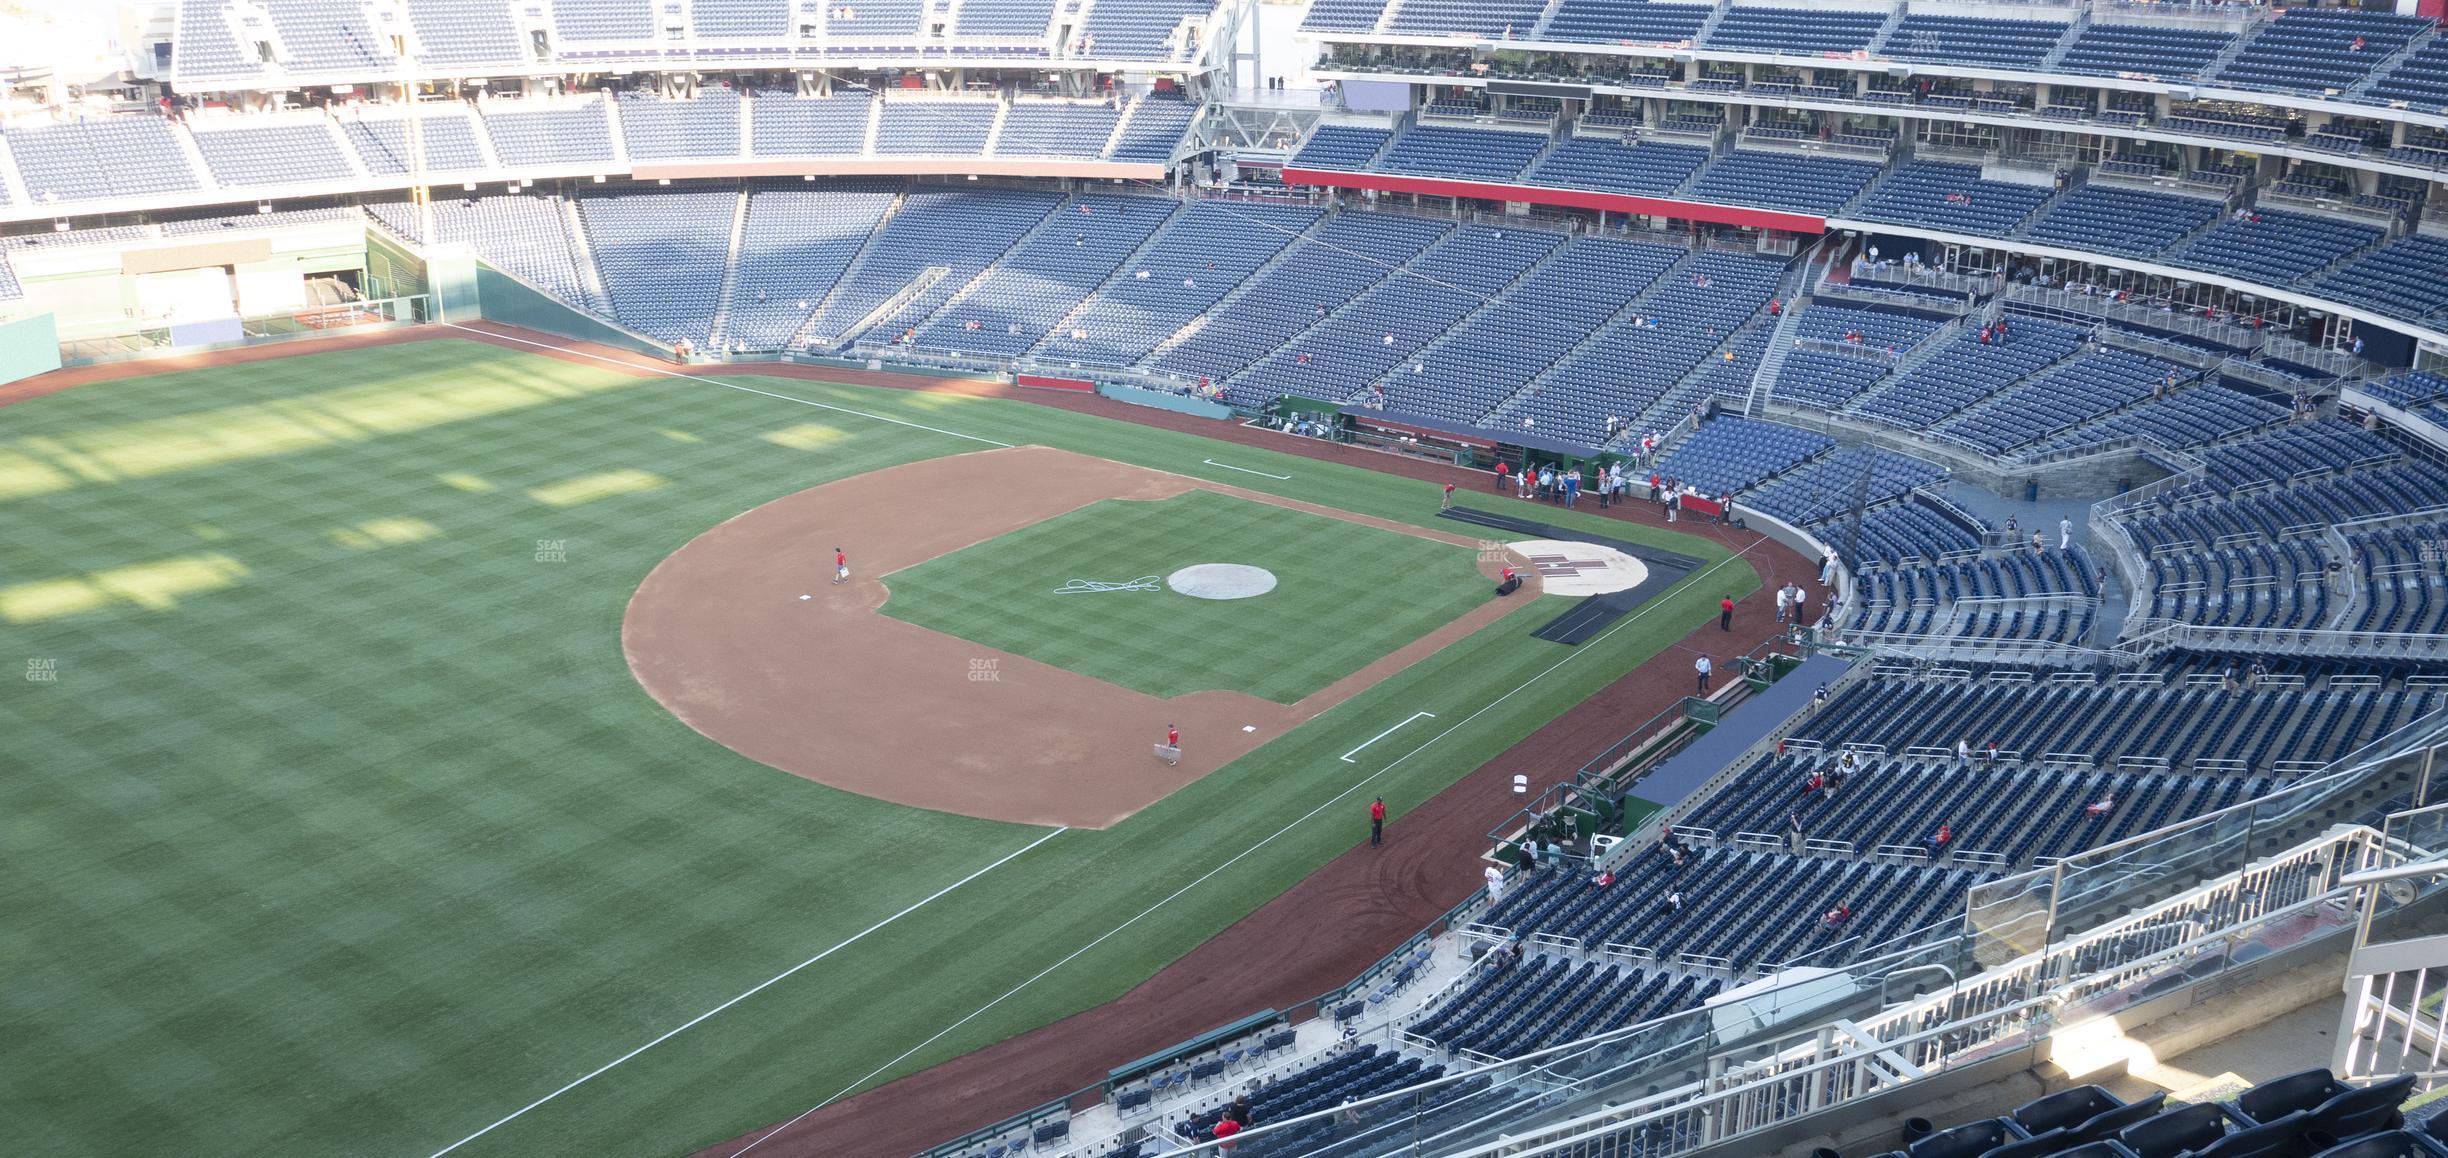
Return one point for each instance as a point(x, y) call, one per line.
point(1245, 470)
point(572, 350)
point(1296, 822)
point(845, 943)
point(1347, 756)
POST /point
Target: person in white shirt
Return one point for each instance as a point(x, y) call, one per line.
point(1704, 667)
point(1495, 883)
point(2065, 534)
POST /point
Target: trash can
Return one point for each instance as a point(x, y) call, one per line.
point(1916, 1129)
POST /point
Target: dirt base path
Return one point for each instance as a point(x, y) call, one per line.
point(1315, 936)
point(830, 688)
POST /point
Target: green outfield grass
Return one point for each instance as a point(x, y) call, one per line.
point(337, 825)
point(1377, 589)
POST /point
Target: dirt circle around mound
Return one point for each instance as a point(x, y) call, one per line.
point(743, 635)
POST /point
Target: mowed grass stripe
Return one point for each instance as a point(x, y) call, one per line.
point(369, 847)
point(1377, 589)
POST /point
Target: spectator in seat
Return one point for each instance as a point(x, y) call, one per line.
point(1673, 903)
point(2099, 808)
point(1941, 840)
point(1837, 916)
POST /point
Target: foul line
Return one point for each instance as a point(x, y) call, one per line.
point(854, 939)
point(1304, 818)
point(1246, 470)
point(575, 352)
point(1347, 756)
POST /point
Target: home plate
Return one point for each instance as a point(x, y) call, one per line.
point(807, 597)
point(1581, 568)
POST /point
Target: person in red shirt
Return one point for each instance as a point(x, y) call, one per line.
point(1172, 736)
point(1725, 614)
point(1377, 822)
point(1500, 476)
point(1448, 497)
point(841, 566)
point(1939, 841)
point(1226, 1127)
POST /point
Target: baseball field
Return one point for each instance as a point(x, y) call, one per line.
point(427, 748)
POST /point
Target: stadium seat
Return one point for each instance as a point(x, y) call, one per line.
point(1966, 1141)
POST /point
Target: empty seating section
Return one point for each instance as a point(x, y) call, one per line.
point(1013, 303)
point(1795, 31)
point(2410, 391)
point(2018, 810)
point(1951, 197)
point(2190, 418)
point(1745, 909)
point(2280, 585)
point(1351, 253)
point(1345, 147)
point(768, 20)
point(2183, 726)
point(1840, 351)
point(2283, 454)
point(207, 46)
point(2075, 391)
point(1206, 250)
point(1779, 180)
point(936, 128)
point(2421, 81)
point(783, 125)
point(446, 140)
point(1479, 364)
point(1494, 19)
point(794, 245)
point(461, 33)
point(2115, 219)
point(1507, 1009)
point(328, 36)
point(2020, 44)
point(1833, 484)
point(1015, 19)
point(1729, 453)
point(2313, 49)
point(932, 247)
point(1055, 129)
point(1462, 154)
point(1343, 15)
point(2041, 596)
point(2273, 247)
point(1143, 29)
point(1358, 1073)
point(522, 236)
point(548, 135)
point(2407, 278)
point(1616, 21)
point(1642, 169)
point(281, 154)
point(661, 256)
point(1650, 364)
point(2106, 50)
point(1154, 129)
point(657, 129)
point(603, 19)
point(879, 20)
point(1967, 373)
point(1351, 350)
point(2403, 588)
point(1903, 533)
point(135, 156)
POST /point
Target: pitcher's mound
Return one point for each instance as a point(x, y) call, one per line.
point(1221, 581)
